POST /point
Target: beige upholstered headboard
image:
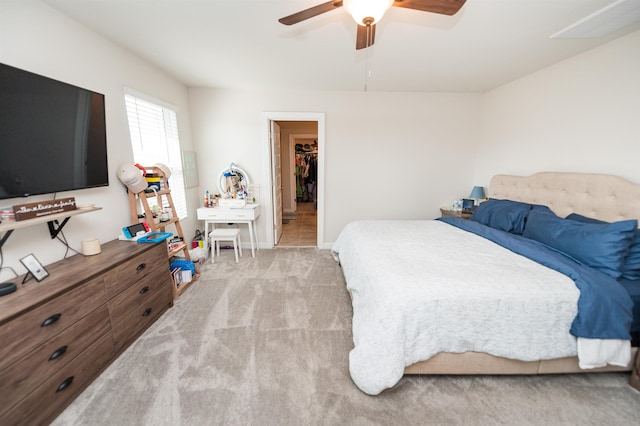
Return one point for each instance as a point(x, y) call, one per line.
point(599, 196)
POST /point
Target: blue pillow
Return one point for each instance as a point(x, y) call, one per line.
point(505, 215)
point(631, 263)
point(599, 246)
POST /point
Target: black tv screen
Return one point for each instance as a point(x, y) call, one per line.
point(52, 135)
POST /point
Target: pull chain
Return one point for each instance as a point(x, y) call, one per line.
point(367, 69)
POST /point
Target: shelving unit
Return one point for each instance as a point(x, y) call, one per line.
point(163, 199)
point(6, 228)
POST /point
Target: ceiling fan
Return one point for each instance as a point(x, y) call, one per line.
point(367, 13)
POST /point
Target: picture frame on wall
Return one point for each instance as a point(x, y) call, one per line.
point(190, 168)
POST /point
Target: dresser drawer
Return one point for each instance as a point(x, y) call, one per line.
point(120, 278)
point(138, 294)
point(49, 399)
point(26, 374)
point(37, 326)
point(141, 317)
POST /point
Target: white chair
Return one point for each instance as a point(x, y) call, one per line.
point(225, 234)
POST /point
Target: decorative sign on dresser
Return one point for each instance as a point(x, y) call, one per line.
point(43, 208)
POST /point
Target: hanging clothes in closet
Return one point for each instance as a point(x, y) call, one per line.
point(306, 173)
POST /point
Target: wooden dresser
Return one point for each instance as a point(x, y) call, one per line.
point(59, 334)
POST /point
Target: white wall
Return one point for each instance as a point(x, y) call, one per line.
point(387, 155)
point(399, 155)
point(39, 39)
point(580, 115)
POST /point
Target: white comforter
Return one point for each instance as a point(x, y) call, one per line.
point(423, 287)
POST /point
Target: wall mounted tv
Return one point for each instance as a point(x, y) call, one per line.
point(52, 135)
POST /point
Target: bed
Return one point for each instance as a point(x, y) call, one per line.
point(455, 296)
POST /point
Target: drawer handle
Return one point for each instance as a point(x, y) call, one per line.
point(141, 266)
point(144, 289)
point(58, 353)
point(146, 312)
point(67, 382)
point(52, 319)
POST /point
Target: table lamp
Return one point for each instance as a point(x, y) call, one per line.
point(477, 193)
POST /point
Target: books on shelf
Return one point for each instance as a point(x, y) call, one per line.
point(176, 275)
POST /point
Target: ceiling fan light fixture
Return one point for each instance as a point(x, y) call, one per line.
point(367, 12)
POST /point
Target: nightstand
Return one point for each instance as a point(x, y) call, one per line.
point(444, 212)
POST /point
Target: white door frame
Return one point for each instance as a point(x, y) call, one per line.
point(276, 174)
point(267, 118)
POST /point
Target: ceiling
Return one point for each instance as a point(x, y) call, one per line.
point(241, 44)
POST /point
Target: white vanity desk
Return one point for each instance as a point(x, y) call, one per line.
point(248, 214)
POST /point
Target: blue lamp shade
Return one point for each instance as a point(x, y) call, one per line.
point(477, 193)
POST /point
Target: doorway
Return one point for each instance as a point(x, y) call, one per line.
point(303, 223)
point(299, 218)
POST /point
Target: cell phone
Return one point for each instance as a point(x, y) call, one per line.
point(132, 230)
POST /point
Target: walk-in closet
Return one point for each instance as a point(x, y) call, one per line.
point(306, 171)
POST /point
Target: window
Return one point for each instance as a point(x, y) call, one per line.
point(153, 126)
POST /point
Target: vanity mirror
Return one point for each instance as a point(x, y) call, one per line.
point(233, 180)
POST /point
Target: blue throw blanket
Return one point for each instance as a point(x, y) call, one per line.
point(604, 306)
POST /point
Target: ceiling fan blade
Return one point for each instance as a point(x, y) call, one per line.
point(365, 36)
point(310, 13)
point(443, 7)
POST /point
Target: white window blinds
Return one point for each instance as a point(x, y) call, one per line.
point(154, 138)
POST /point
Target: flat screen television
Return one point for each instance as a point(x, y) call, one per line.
point(52, 135)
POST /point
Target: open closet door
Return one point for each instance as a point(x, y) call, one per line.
point(276, 172)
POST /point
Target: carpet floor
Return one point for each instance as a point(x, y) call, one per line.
point(267, 341)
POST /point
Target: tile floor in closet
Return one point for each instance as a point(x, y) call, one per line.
point(301, 231)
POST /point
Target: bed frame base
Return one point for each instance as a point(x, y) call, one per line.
point(483, 363)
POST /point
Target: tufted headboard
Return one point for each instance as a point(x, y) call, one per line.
point(605, 197)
